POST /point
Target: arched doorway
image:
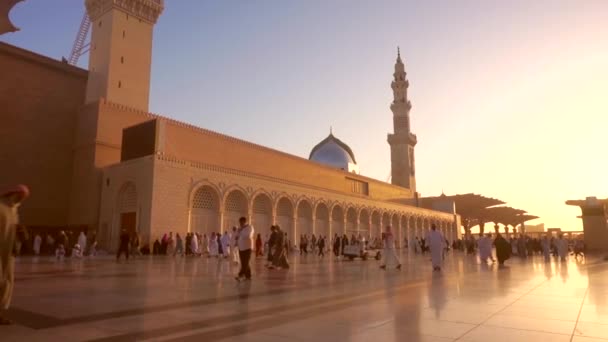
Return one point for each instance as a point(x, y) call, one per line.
point(205, 211)
point(285, 217)
point(304, 212)
point(351, 222)
point(364, 226)
point(262, 213)
point(235, 207)
point(322, 221)
point(337, 221)
point(126, 213)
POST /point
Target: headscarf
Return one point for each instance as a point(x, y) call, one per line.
point(20, 189)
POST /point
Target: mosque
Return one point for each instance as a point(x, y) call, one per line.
point(95, 158)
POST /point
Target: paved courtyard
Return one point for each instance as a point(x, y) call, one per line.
point(197, 299)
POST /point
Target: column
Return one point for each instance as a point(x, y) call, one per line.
point(221, 221)
point(294, 233)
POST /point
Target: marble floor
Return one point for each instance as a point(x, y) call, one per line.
point(197, 299)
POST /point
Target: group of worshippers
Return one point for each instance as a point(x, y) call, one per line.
point(215, 246)
point(312, 244)
point(524, 246)
point(62, 244)
point(277, 250)
point(436, 245)
point(237, 245)
point(340, 242)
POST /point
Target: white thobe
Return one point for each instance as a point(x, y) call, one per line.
point(194, 244)
point(390, 256)
point(213, 247)
point(562, 248)
point(485, 249)
point(436, 242)
point(235, 248)
point(205, 244)
point(37, 243)
point(225, 240)
point(82, 241)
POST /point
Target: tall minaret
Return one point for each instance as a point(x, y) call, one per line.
point(120, 54)
point(402, 141)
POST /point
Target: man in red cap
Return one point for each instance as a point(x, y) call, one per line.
point(10, 199)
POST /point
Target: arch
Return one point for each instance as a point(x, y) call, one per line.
point(337, 220)
point(304, 213)
point(386, 220)
point(126, 212)
point(376, 228)
point(261, 212)
point(351, 221)
point(205, 210)
point(364, 224)
point(235, 207)
point(322, 220)
point(285, 211)
point(199, 185)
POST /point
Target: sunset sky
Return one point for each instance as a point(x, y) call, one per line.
point(510, 98)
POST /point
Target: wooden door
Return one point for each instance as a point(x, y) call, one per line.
point(128, 221)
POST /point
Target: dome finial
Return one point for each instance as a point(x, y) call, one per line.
point(331, 130)
point(398, 52)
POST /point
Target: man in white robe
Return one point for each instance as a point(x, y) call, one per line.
point(213, 246)
point(82, 241)
point(37, 244)
point(390, 255)
point(235, 245)
point(194, 244)
point(225, 241)
point(436, 242)
point(562, 247)
point(484, 244)
point(10, 199)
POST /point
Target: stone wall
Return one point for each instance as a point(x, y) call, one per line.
point(39, 99)
point(176, 183)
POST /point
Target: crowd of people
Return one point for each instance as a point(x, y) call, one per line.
point(523, 246)
point(65, 243)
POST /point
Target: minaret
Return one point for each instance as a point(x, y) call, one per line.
point(402, 141)
point(120, 54)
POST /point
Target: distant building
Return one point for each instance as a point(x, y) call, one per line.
point(538, 228)
point(96, 159)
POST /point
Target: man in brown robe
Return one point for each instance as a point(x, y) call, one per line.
point(10, 199)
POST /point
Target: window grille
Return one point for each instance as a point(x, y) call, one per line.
point(262, 205)
point(236, 202)
point(206, 198)
point(284, 208)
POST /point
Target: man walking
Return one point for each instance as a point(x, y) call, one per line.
point(10, 199)
point(124, 245)
point(245, 245)
point(390, 255)
point(436, 241)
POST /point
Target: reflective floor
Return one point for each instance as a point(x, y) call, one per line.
point(197, 299)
